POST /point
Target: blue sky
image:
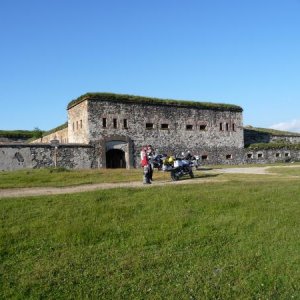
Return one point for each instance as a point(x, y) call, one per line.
point(231, 51)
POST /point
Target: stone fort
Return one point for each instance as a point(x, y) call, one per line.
point(108, 130)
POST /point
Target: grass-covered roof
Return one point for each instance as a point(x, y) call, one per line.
point(274, 145)
point(272, 131)
point(60, 127)
point(110, 97)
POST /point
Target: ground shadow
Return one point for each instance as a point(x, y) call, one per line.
point(198, 176)
point(204, 169)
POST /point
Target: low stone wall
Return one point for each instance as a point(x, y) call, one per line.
point(252, 136)
point(6, 140)
point(286, 139)
point(60, 135)
point(75, 156)
point(31, 156)
point(271, 156)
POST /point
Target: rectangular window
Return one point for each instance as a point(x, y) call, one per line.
point(80, 123)
point(125, 123)
point(115, 123)
point(277, 155)
point(104, 122)
point(202, 127)
point(249, 155)
point(233, 127)
point(204, 157)
point(229, 156)
point(227, 127)
point(259, 155)
point(73, 126)
point(286, 154)
point(77, 125)
point(149, 125)
point(164, 126)
point(221, 126)
point(189, 127)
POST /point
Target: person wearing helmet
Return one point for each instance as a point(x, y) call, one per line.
point(188, 156)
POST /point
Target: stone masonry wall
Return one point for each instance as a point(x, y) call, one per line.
point(177, 119)
point(252, 136)
point(13, 157)
point(6, 140)
point(78, 124)
point(60, 135)
point(185, 129)
point(270, 156)
point(286, 138)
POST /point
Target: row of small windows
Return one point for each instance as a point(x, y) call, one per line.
point(250, 155)
point(227, 127)
point(115, 123)
point(165, 126)
point(261, 155)
point(205, 156)
point(77, 125)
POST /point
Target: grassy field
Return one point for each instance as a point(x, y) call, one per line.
point(63, 177)
point(295, 171)
point(234, 240)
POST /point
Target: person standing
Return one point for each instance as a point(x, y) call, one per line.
point(146, 165)
point(150, 154)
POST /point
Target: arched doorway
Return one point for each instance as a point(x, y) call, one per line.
point(115, 158)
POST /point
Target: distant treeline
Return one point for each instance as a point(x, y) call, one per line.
point(21, 134)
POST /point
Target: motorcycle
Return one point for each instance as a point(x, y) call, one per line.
point(180, 168)
point(157, 161)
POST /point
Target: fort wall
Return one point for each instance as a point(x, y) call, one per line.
point(78, 124)
point(60, 135)
point(106, 128)
point(33, 156)
point(71, 156)
point(165, 125)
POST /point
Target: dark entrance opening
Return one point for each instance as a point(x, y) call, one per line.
point(115, 158)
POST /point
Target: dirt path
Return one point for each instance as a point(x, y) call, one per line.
point(39, 191)
point(254, 170)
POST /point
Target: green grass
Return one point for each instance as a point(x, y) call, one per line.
point(62, 177)
point(233, 240)
point(295, 171)
point(284, 145)
point(111, 97)
point(60, 127)
point(271, 131)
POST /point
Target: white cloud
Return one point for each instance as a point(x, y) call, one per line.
point(293, 125)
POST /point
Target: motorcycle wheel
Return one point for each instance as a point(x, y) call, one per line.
point(174, 176)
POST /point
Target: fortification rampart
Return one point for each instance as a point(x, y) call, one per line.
point(71, 156)
point(59, 135)
point(108, 130)
point(32, 156)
